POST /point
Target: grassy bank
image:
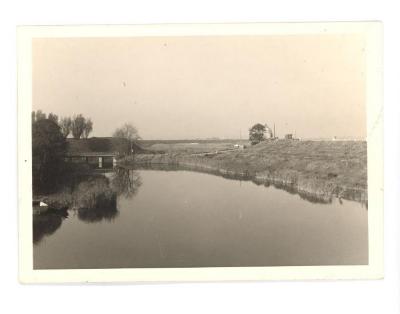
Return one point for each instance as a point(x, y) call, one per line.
point(190, 147)
point(316, 168)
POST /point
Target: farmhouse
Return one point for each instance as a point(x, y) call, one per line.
point(99, 151)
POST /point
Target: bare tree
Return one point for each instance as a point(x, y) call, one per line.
point(66, 126)
point(78, 126)
point(127, 131)
point(88, 128)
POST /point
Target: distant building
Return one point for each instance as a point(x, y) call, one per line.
point(99, 152)
point(289, 137)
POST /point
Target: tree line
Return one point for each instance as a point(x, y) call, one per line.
point(77, 125)
point(49, 145)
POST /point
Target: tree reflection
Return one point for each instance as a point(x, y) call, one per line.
point(47, 224)
point(94, 215)
point(126, 182)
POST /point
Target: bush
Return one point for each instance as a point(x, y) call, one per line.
point(95, 193)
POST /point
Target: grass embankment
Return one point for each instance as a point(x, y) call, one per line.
point(190, 147)
point(319, 169)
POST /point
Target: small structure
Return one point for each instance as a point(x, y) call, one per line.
point(99, 152)
point(289, 137)
point(238, 146)
point(94, 158)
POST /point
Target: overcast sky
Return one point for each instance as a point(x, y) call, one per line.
point(201, 87)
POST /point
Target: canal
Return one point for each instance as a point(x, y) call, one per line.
point(190, 219)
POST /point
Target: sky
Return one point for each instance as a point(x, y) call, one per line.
point(206, 86)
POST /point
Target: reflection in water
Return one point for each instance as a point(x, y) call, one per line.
point(98, 214)
point(126, 182)
point(320, 199)
point(187, 219)
point(123, 182)
point(327, 198)
point(95, 198)
point(46, 224)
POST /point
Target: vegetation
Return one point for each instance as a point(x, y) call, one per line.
point(89, 195)
point(53, 117)
point(88, 128)
point(64, 185)
point(48, 149)
point(93, 194)
point(65, 125)
point(257, 133)
point(78, 125)
point(82, 189)
point(195, 147)
point(127, 131)
point(38, 115)
point(315, 168)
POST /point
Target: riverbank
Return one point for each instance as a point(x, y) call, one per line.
point(85, 191)
point(320, 169)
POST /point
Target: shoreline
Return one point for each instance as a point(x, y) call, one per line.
point(90, 191)
point(318, 186)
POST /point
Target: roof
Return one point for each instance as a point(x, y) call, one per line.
point(102, 145)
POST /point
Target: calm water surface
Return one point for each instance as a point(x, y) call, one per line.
point(190, 219)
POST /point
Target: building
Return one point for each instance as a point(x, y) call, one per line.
point(99, 151)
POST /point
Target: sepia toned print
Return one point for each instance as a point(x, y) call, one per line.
point(201, 152)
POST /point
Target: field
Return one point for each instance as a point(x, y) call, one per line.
point(318, 168)
point(192, 147)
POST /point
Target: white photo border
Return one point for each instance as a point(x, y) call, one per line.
point(372, 32)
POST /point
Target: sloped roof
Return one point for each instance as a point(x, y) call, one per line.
point(100, 144)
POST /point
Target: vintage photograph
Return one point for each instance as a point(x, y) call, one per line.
point(200, 151)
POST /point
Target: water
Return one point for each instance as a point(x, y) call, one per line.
point(190, 219)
